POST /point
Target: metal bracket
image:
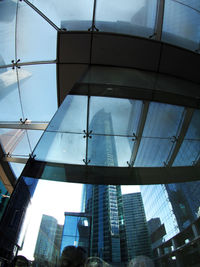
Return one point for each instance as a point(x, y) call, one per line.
point(86, 161)
point(32, 156)
point(15, 64)
point(129, 165)
point(153, 35)
point(92, 28)
point(174, 139)
point(87, 134)
point(23, 122)
point(134, 137)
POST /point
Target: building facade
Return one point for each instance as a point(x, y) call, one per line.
point(136, 226)
point(104, 202)
point(45, 249)
point(76, 231)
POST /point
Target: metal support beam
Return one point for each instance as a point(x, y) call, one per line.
point(159, 19)
point(24, 126)
point(19, 64)
point(21, 160)
point(187, 119)
point(139, 132)
point(41, 14)
point(110, 175)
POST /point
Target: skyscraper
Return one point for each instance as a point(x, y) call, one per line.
point(104, 202)
point(136, 226)
point(45, 246)
point(175, 206)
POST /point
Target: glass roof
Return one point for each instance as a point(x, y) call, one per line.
point(130, 133)
point(28, 86)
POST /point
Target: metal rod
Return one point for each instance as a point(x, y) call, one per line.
point(29, 63)
point(42, 15)
point(139, 132)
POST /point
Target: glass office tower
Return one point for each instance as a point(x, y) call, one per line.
point(46, 251)
point(137, 235)
point(104, 202)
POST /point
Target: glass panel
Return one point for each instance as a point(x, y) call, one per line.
point(106, 150)
point(182, 23)
point(188, 154)
point(34, 136)
point(68, 14)
point(10, 109)
point(7, 32)
point(135, 18)
point(17, 168)
point(14, 141)
point(22, 147)
point(114, 115)
point(61, 148)
point(194, 128)
point(71, 116)
point(34, 35)
point(38, 91)
point(163, 120)
point(153, 152)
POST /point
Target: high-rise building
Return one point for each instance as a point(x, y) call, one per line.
point(170, 208)
point(45, 245)
point(157, 205)
point(104, 202)
point(137, 235)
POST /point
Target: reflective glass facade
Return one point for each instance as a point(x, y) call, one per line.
point(76, 231)
point(135, 223)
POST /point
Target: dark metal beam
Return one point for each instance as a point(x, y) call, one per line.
point(110, 175)
point(187, 119)
point(146, 94)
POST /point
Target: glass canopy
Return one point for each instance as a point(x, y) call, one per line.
point(118, 126)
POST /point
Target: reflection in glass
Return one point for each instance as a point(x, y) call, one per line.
point(68, 14)
point(136, 18)
point(61, 148)
point(153, 152)
point(181, 23)
point(163, 120)
point(123, 113)
point(71, 116)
